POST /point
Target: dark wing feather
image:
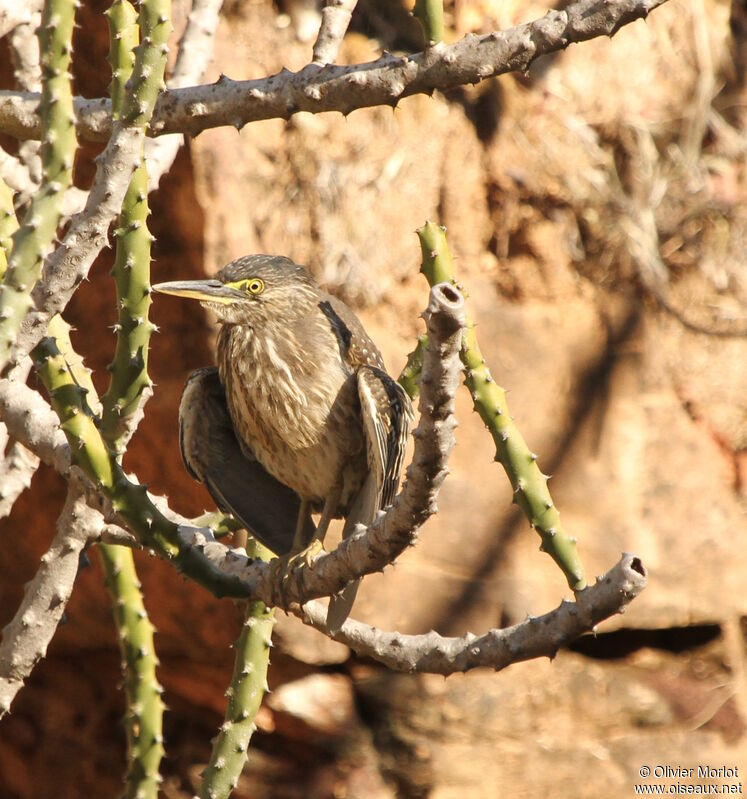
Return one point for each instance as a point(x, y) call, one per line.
point(356, 348)
point(387, 413)
point(236, 481)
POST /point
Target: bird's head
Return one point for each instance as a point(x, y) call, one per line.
point(251, 290)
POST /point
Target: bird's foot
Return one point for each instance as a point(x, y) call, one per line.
point(305, 556)
point(287, 567)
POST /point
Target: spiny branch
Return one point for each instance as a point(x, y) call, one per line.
point(385, 81)
point(336, 16)
point(537, 636)
point(533, 638)
point(27, 635)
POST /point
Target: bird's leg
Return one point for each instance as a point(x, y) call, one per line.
point(301, 538)
point(241, 538)
point(328, 511)
point(304, 549)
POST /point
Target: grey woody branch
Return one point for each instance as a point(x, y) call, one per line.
point(336, 16)
point(24, 52)
point(197, 43)
point(317, 88)
point(536, 636)
point(17, 463)
point(23, 172)
point(16, 12)
point(17, 175)
point(26, 637)
point(17, 467)
point(30, 421)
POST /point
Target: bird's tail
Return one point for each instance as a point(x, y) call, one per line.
point(363, 511)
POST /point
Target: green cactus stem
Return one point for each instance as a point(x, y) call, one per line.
point(129, 500)
point(131, 272)
point(245, 694)
point(144, 716)
point(8, 225)
point(68, 398)
point(150, 62)
point(219, 524)
point(124, 35)
point(529, 484)
point(411, 373)
point(430, 15)
point(34, 239)
point(59, 330)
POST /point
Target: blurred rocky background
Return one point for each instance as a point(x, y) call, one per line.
point(597, 209)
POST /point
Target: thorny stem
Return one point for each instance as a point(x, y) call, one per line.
point(385, 81)
point(144, 717)
point(130, 385)
point(519, 462)
point(245, 694)
point(34, 238)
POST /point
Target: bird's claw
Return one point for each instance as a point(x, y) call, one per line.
point(305, 557)
point(287, 567)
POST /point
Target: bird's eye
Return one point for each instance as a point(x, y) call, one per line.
point(252, 286)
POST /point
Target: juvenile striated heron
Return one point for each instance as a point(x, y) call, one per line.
point(301, 414)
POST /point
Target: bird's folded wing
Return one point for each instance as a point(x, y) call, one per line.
point(387, 414)
point(236, 481)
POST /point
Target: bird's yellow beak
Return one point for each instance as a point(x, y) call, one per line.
point(203, 290)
